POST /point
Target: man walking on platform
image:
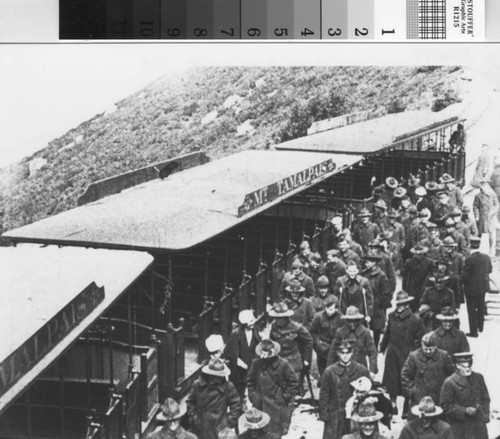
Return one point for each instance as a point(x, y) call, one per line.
point(465, 400)
point(477, 268)
point(449, 338)
point(415, 272)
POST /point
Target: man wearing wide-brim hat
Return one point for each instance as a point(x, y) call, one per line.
point(380, 214)
point(449, 338)
point(381, 293)
point(403, 334)
point(364, 230)
point(427, 423)
point(465, 400)
point(469, 220)
point(385, 263)
point(272, 386)
point(302, 307)
point(253, 423)
point(367, 419)
point(336, 390)
point(460, 226)
point(454, 259)
point(360, 338)
point(385, 191)
point(436, 297)
point(397, 228)
point(170, 415)
point(415, 271)
point(240, 349)
point(213, 403)
point(294, 339)
point(433, 243)
point(450, 230)
point(296, 273)
point(455, 193)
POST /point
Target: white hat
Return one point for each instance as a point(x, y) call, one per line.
point(246, 317)
point(214, 343)
point(362, 384)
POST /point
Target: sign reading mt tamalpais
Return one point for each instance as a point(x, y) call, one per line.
point(26, 356)
point(275, 190)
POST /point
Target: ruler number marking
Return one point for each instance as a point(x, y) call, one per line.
point(174, 32)
point(200, 32)
point(229, 32)
point(361, 32)
point(306, 32)
point(334, 32)
point(253, 32)
point(281, 32)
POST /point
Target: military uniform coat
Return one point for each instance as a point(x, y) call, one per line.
point(212, 408)
point(435, 246)
point(386, 265)
point(415, 271)
point(333, 270)
point(462, 246)
point(381, 296)
point(272, 386)
point(319, 303)
point(348, 256)
point(352, 292)
point(304, 280)
point(296, 343)
point(303, 310)
point(476, 271)
point(452, 341)
point(365, 233)
point(357, 435)
point(363, 346)
point(458, 393)
point(323, 330)
point(402, 335)
point(423, 376)
point(437, 430)
point(335, 390)
point(437, 300)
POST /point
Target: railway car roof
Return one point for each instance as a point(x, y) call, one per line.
point(50, 296)
point(369, 136)
point(188, 207)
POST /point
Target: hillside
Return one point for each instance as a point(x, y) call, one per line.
point(173, 117)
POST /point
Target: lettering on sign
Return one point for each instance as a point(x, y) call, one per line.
point(269, 193)
point(26, 356)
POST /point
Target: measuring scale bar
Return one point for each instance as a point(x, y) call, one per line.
point(379, 20)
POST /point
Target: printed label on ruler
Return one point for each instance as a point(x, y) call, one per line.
point(465, 19)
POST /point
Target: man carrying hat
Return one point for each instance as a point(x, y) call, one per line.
point(213, 403)
point(465, 400)
point(367, 419)
point(296, 273)
point(254, 424)
point(425, 370)
point(323, 329)
point(455, 193)
point(449, 338)
point(240, 350)
point(427, 424)
point(365, 230)
point(170, 415)
point(336, 390)
point(434, 299)
point(382, 295)
point(415, 272)
point(360, 338)
point(294, 339)
point(272, 386)
point(477, 269)
point(303, 310)
point(451, 231)
point(354, 290)
point(402, 335)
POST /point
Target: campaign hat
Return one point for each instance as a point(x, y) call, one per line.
point(295, 287)
point(426, 407)
point(170, 410)
point(372, 256)
point(352, 313)
point(399, 192)
point(449, 242)
point(366, 413)
point(391, 182)
point(280, 310)
point(364, 212)
point(392, 213)
point(461, 357)
point(402, 297)
point(254, 419)
point(420, 191)
point(267, 348)
point(381, 204)
point(362, 384)
point(419, 249)
point(446, 178)
point(216, 367)
point(447, 313)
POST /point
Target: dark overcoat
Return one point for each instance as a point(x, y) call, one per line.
point(212, 407)
point(381, 296)
point(363, 234)
point(333, 270)
point(457, 394)
point(352, 292)
point(272, 386)
point(402, 335)
point(165, 433)
point(357, 435)
point(386, 265)
point(452, 340)
point(296, 343)
point(335, 390)
point(304, 280)
point(303, 310)
point(436, 300)
point(477, 268)
point(363, 346)
point(414, 274)
point(323, 330)
point(437, 430)
point(423, 376)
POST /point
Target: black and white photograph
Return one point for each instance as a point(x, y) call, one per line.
point(250, 241)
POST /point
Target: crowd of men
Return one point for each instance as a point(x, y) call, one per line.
point(334, 309)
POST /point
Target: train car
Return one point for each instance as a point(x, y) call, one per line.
point(223, 232)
